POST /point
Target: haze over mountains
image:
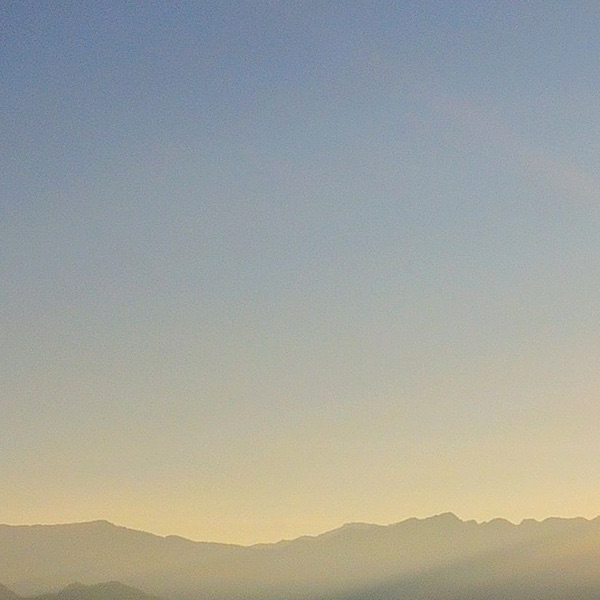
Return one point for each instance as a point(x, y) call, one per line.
point(439, 557)
point(112, 590)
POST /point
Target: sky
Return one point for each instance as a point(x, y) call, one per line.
point(269, 267)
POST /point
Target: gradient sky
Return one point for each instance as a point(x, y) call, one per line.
point(268, 267)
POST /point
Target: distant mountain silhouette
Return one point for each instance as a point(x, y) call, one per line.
point(439, 558)
point(112, 590)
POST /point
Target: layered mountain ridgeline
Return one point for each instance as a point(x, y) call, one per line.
point(437, 558)
point(112, 590)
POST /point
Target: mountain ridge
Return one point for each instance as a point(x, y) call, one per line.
point(109, 590)
point(443, 516)
point(402, 559)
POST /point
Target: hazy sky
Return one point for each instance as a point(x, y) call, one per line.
point(269, 267)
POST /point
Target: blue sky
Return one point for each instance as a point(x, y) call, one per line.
point(269, 267)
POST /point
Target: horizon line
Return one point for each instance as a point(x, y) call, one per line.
point(448, 514)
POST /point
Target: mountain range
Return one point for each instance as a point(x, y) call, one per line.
point(111, 590)
point(438, 558)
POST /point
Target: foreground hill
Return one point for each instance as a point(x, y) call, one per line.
point(437, 558)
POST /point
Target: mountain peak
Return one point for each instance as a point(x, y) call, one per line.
point(358, 526)
point(100, 524)
point(109, 590)
point(446, 517)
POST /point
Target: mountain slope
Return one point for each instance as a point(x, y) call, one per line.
point(112, 590)
point(437, 558)
point(41, 557)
